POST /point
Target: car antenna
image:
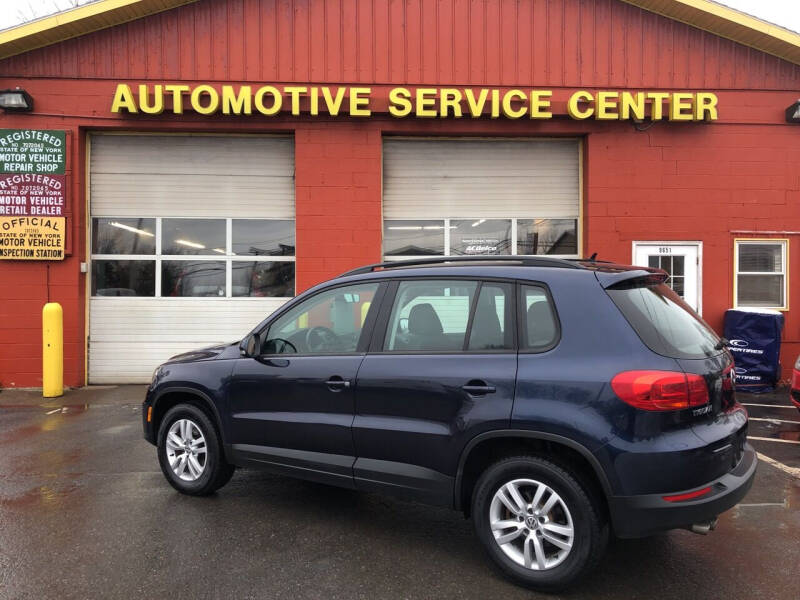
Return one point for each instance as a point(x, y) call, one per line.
point(593, 257)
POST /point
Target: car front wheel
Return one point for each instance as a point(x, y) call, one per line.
point(538, 523)
point(190, 453)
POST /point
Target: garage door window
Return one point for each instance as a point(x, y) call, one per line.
point(413, 238)
point(547, 236)
point(464, 237)
point(480, 236)
point(176, 257)
point(123, 278)
point(192, 236)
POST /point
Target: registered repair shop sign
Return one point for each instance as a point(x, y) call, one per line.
point(32, 151)
point(32, 238)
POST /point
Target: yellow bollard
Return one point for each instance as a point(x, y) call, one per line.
point(52, 350)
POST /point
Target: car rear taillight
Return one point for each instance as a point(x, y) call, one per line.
point(660, 390)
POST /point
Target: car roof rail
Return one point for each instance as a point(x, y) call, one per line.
point(498, 260)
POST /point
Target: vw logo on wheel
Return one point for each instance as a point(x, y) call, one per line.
point(739, 343)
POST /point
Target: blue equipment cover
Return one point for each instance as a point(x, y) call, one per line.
point(755, 342)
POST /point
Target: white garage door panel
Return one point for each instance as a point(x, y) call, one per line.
point(128, 195)
point(207, 175)
point(480, 178)
point(192, 155)
point(131, 336)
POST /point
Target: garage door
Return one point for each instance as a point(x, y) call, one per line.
point(192, 243)
point(468, 196)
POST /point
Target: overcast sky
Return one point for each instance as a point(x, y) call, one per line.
point(781, 12)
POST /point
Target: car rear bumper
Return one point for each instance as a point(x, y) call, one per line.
point(794, 396)
point(638, 516)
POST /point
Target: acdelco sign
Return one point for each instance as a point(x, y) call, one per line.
point(269, 100)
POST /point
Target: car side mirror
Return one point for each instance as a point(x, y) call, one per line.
point(251, 346)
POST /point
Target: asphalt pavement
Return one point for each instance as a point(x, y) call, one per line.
point(86, 513)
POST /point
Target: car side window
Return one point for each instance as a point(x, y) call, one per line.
point(327, 323)
point(492, 327)
point(430, 315)
point(540, 329)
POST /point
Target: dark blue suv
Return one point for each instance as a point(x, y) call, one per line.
point(556, 402)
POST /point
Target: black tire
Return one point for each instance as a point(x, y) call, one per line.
point(591, 530)
point(216, 471)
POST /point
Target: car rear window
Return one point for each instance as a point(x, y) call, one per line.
point(664, 322)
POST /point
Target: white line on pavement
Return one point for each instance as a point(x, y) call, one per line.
point(763, 439)
point(773, 420)
point(768, 405)
point(765, 504)
point(55, 410)
point(779, 465)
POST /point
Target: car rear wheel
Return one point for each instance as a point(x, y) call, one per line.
point(190, 453)
point(538, 523)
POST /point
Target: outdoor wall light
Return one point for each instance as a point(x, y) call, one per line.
point(793, 113)
point(17, 100)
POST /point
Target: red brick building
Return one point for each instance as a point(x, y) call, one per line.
point(223, 155)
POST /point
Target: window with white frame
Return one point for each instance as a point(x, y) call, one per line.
point(185, 257)
point(411, 238)
point(761, 273)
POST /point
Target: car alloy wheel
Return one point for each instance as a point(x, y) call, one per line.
point(186, 450)
point(531, 524)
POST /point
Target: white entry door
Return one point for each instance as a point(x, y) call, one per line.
point(681, 260)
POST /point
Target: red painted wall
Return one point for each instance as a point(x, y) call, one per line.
point(671, 182)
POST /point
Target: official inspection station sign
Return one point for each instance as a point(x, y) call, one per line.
point(31, 194)
point(32, 238)
point(32, 151)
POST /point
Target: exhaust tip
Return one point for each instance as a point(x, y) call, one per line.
point(704, 527)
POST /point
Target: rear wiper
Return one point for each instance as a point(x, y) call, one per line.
point(722, 343)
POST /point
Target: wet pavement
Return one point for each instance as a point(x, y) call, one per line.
point(85, 513)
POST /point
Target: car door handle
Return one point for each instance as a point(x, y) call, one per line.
point(476, 387)
point(336, 383)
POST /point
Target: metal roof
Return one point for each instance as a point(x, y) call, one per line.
point(702, 14)
point(729, 23)
point(78, 21)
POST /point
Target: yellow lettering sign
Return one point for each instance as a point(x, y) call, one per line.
point(451, 101)
point(421, 102)
point(705, 106)
point(123, 98)
point(540, 104)
point(177, 92)
point(359, 101)
point(213, 100)
point(573, 108)
point(508, 110)
point(399, 102)
point(476, 104)
point(277, 100)
point(334, 103)
point(237, 102)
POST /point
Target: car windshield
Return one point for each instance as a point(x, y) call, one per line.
point(664, 322)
